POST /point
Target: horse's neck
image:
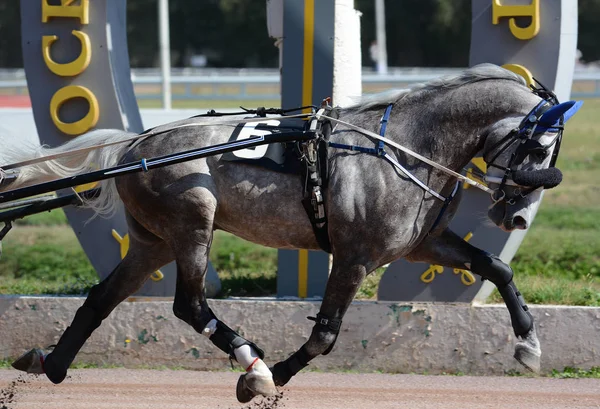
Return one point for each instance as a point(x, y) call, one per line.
point(450, 129)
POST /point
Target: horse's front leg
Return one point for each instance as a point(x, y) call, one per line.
point(190, 305)
point(448, 249)
point(343, 283)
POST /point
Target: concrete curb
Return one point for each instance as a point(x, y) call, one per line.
point(375, 336)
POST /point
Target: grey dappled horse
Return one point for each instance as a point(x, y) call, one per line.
point(375, 213)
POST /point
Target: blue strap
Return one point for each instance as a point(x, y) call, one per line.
point(353, 148)
point(382, 127)
point(444, 207)
point(380, 149)
point(144, 165)
point(385, 119)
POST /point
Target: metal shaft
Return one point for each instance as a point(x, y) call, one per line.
point(148, 164)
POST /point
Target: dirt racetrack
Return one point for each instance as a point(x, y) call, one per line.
point(166, 389)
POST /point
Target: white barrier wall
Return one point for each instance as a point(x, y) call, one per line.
point(375, 336)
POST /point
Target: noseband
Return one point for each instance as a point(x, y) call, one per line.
point(528, 146)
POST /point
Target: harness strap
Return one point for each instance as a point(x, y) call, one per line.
point(412, 153)
point(333, 324)
point(380, 151)
point(315, 176)
point(445, 206)
point(362, 149)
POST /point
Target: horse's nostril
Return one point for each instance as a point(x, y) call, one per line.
point(520, 223)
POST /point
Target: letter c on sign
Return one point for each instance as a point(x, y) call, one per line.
point(74, 67)
point(84, 124)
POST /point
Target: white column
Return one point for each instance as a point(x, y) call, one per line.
point(381, 40)
point(347, 67)
point(165, 51)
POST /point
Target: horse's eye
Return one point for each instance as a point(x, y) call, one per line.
point(539, 155)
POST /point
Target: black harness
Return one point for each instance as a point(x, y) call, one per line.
point(307, 158)
point(524, 135)
point(315, 173)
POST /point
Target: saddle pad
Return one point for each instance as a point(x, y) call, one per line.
point(278, 157)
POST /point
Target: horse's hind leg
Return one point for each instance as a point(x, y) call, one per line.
point(191, 253)
point(450, 250)
point(146, 254)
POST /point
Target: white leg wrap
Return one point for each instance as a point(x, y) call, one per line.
point(249, 359)
point(210, 328)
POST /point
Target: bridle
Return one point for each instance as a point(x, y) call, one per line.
point(525, 134)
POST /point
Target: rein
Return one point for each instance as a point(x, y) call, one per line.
point(524, 132)
point(410, 152)
point(144, 135)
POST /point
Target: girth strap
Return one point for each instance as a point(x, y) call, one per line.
point(315, 176)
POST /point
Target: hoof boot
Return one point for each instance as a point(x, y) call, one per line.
point(528, 352)
point(528, 357)
point(250, 385)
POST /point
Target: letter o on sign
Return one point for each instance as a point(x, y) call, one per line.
point(84, 124)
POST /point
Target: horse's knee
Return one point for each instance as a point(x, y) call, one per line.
point(181, 311)
point(492, 268)
point(192, 314)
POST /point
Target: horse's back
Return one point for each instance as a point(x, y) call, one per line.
point(252, 202)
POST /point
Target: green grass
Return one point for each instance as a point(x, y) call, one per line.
point(569, 372)
point(53, 218)
point(44, 259)
point(558, 262)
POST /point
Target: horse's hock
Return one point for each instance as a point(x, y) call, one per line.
point(389, 337)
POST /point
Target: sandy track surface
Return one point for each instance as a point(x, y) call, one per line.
point(133, 389)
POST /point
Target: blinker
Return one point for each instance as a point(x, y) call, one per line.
point(551, 118)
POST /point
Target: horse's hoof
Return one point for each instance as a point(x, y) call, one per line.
point(30, 362)
point(528, 352)
point(250, 385)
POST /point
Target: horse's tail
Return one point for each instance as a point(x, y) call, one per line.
point(70, 165)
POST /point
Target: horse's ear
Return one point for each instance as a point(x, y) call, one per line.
point(568, 109)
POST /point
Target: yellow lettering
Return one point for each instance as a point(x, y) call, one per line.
point(479, 164)
point(124, 247)
point(83, 125)
point(429, 274)
point(466, 277)
point(68, 10)
point(520, 70)
point(74, 67)
point(87, 186)
point(529, 10)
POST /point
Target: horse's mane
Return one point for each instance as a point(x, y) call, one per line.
point(473, 74)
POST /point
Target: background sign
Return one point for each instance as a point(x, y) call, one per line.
point(530, 37)
point(77, 67)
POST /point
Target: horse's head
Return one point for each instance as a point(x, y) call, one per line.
point(521, 154)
